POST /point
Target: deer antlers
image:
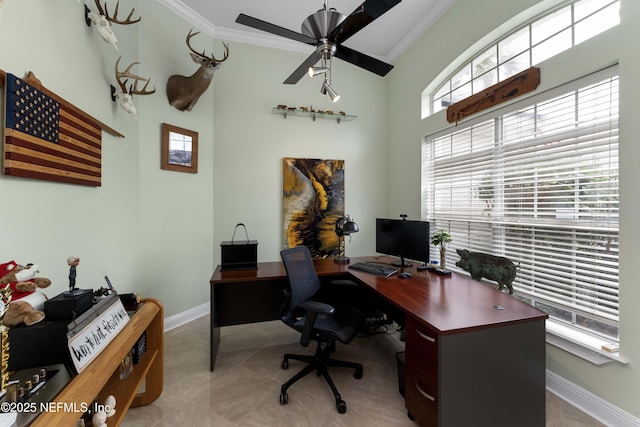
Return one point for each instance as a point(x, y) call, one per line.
point(203, 55)
point(126, 98)
point(103, 21)
point(104, 12)
point(133, 89)
point(183, 92)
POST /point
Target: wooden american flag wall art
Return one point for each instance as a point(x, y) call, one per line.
point(46, 137)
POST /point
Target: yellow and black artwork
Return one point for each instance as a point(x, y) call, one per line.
point(313, 200)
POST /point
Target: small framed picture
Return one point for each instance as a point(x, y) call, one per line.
point(179, 149)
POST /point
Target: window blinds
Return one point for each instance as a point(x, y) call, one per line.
point(537, 182)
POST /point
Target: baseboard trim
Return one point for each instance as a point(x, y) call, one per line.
point(180, 319)
point(588, 402)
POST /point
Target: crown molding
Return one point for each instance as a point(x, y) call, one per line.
point(414, 34)
point(228, 34)
point(264, 40)
point(180, 9)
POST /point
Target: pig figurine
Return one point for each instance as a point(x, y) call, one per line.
point(481, 265)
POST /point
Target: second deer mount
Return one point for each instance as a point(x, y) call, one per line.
point(125, 96)
point(285, 111)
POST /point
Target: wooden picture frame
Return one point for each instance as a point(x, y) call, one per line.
point(179, 149)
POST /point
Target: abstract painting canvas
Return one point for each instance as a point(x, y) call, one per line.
point(313, 200)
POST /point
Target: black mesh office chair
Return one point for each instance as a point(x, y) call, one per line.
point(315, 321)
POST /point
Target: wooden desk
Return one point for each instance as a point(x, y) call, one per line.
point(474, 355)
point(248, 296)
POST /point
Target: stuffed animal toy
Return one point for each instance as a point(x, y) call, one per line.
point(25, 305)
point(108, 409)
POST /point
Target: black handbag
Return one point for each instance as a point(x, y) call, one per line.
point(239, 255)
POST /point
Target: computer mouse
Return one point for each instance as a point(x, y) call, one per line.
point(404, 275)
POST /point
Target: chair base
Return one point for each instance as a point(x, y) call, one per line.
point(319, 363)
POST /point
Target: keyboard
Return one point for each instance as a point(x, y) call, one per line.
point(377, 269)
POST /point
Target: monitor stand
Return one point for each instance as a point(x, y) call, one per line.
point(401, 263)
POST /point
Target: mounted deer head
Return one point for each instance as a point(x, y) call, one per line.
point(183, 92)
point(125, 96)
point(103, 21)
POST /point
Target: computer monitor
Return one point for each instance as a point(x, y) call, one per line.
point(403, 238)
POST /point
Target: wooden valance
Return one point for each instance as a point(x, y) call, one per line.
point(514, 86)
point(48, 138)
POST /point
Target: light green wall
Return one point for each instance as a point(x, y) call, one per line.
point(158, 232)
point(45, 222)
point(250, 143)
point(466, 22)
point(175, 209)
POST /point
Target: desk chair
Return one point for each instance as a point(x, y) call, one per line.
point(315, 321)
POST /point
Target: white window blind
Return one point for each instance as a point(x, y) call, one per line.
point(537, 182)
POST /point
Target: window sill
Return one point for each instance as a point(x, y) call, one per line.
point(580, 344)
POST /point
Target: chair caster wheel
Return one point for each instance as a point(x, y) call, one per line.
point(284, 364)
point(358, 374)
point(341, 406)
point(284, 398)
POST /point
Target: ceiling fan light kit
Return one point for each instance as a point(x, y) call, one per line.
point(314, 71)
point(326, 89)
point(327, 29)
point(323, 88)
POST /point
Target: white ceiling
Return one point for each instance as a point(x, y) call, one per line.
point(385, 38)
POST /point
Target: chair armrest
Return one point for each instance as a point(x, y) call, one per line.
point(343, 282)
point(313, 308)
point(317, 307)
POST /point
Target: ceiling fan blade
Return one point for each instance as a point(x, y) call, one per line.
point(274, 29)
point(364, 61)
point(362, 16)
point(303, 68)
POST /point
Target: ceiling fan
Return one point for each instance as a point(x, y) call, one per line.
point(327, 29)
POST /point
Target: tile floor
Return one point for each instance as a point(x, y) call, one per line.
point(244, 388)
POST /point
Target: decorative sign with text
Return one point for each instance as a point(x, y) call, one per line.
point(91, 340)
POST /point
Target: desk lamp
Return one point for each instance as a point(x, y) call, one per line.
point(344, 226)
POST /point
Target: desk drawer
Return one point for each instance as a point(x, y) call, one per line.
point(421, 404)
point(421, 356)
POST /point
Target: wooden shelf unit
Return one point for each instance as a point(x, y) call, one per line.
point(101, 377)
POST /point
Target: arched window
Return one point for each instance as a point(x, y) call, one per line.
point(537, 182)
point(548, 35)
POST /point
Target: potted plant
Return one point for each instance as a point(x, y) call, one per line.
point(441, 238)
